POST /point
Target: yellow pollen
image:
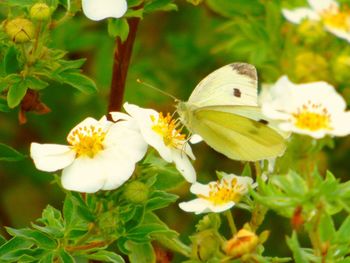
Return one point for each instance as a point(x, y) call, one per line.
point(312, 117)
point(336, 18)
point(166, 127)
point(224, 192)
point(87, 141)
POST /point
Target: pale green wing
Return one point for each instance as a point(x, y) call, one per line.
point(237, 137)
point(233, 84)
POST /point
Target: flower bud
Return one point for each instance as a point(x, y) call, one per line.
point(311, 31)
point(20, 30)
point(205, 244)
point(40, 12)
point(310, 67)
point(242, 243)
point(341, 68)
point(210, 221)
point(136, 192)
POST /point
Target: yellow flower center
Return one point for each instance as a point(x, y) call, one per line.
point(87, 140)
point(336, 18)
point(165, 126)
point(224, 192)
point(312, 117)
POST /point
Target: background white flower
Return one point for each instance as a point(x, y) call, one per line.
point(100, 9)
point(315, 109)
point(100, 155)
point(160, 132)
point(328, 12)
point(217, 196)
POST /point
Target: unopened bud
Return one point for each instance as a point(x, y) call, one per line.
point(40, 12)
point(136, 192)
point(310, 67)
point(242, 243)
point(311, 31)
point(20, 30)
point(205, 245)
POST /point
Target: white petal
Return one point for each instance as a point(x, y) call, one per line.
point(341, 33)
point(299, 14)
point(51, 157)
point(184, 165)
point(222, 207)
point(341, 124)
point(322, 5)
point(85, 175)
point(100, 9)
point(91, 122)
point(200, 189)
point(127, 141)
point(117, 116)
point(198, 206)
point(195, 138)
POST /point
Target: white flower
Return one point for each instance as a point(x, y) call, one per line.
point(315, 109)
point(160, 132)
point(100, 155)
point(100, 9)
point(328, 12)
point(217, 196)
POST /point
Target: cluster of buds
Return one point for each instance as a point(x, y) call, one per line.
point(21, 30)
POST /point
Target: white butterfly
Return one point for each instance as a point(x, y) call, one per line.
point(224, 111)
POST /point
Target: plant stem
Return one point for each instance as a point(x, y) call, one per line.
point(122, 55)
point(231, 222)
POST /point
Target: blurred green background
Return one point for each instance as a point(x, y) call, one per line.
point(173, 51)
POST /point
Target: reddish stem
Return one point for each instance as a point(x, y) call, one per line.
point(122, 55)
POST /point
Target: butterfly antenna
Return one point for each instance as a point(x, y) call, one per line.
point(154, 88)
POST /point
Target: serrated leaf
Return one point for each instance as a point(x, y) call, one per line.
point(9, 154)
point(160, 199)
point(10, 61)
point(140, 252)
point(118, 28)
point(16, 93)
point(106, 256)
point(79, 81)
point(37, 237)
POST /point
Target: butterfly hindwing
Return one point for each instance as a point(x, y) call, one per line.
point(233, 84)
point(237, 137)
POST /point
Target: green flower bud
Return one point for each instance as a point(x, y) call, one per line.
point(20, 30)
point(205, 245)
point(210, 221)
point(40, 12)
point(341, 68)
point(311, 31)
point(310, 67)
point(136, 192)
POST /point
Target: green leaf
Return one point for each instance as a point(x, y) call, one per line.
point(65, 256)
point(106, 256)
point(140, 252)
point(70, 64)
point(37, 237)
point(118, 28)
point(2, 240)
point(142, 233)
point(79, 81)
point(229, 8)
point(160, 199)
point(10, 61)
point(35, 83)
point(68, 210)
point(343, 233)
point(16, 93)
point(9, 154)
point(48, 258)
point(326, 228)
point(298, 254)
point(14, 244)
point(155, 5)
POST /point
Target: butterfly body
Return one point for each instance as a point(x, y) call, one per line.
point(223, 110)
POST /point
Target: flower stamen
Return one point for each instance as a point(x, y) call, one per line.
point(312, 117)
point(87, 140)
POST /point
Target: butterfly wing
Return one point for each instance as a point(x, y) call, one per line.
point(233, 84)
point(237, 136)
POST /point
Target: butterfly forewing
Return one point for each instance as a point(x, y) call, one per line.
point(236, 136)
point(233, 84)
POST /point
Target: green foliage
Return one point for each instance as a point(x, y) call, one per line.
point(9, 154)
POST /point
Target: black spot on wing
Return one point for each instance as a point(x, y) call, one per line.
point(237, 93)
point(245, 69)
point(263, 121)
